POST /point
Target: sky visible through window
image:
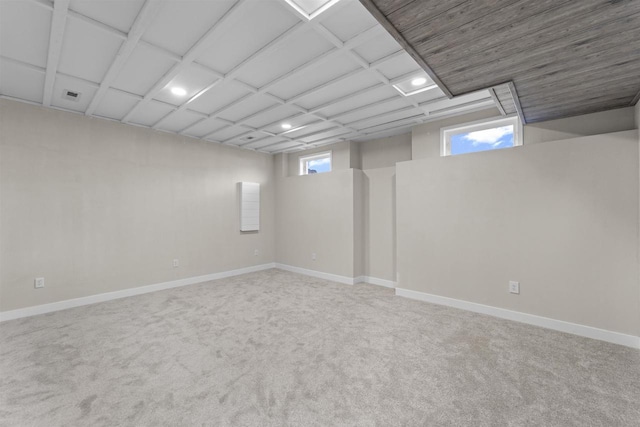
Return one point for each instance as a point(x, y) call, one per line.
point(319, 165)
point(482, 140)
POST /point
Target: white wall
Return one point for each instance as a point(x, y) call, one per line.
point(94, 206)
point(561, 218)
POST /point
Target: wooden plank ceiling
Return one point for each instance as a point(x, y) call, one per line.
point(564, 57)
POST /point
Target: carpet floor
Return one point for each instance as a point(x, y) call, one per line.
point(279, 349)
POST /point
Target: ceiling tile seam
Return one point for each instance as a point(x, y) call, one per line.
point(187, 59)
point(56, 38)
point(143, 20)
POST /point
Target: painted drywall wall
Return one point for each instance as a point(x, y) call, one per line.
point(96, 206)
point(385, 152)
point(561, 218)
point(380, 223)
point(426, 137)
point(608, 121)
point(315, 215)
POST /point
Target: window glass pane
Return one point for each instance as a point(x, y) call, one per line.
point(482, 140)
point(319, 165)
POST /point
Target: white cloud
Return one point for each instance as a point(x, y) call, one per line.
point(320, 162)
point(488, 136)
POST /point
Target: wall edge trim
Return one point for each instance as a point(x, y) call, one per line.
point(109, 296)
point(530, 319)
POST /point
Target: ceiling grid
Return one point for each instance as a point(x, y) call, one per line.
point(234, 87)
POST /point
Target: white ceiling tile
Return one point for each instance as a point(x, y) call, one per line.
point(311, 129)
point(336, 132)
point(428, 95)
point(370, 97)
point(192, 79)
point(263, 142)
point(217, 97)
point(143, 69)
point(351, 20)
point(180, 24)
point(399, 66)
point(247, 107)
point(373, 110)
point(278, 114)
point(253, 28)
point(21, 82)
point(87, 52)
point(340, 89)
point(24, 32)
point(204, 127)
point(152, 112)
point(64, 83)
point(178, 121)
point(321, 74)
point(391, 117)
point(290, 54)
point(119, 14)
point(300, 122)
point(281, 146)
point(115, 105)
point(378, 47)
point(227, 133)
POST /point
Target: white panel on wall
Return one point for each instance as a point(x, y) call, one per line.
point(249, 206)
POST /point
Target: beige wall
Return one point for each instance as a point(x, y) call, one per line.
point(94, 206)
point(560, 218)
point(316, 215)
point(380, 223)
point(609, 121)
point(385, 152)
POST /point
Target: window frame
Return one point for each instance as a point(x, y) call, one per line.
point(494, 122)
point(304, 161)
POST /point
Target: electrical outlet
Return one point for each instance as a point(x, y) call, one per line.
point(256, 252)
point(38, 282)
point(176, 263)
point(313, 256)
point(514, 287)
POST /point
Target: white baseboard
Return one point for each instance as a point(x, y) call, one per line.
point(337, 278)
point(531, 319)
point(93, 299)
point(375, 281)
point(319, 274)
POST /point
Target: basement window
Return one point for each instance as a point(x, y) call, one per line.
point(316, 163)
point(485, 135)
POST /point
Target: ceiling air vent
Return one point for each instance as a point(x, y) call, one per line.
point(71, 95)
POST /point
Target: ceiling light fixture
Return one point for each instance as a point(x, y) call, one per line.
point(419, 81)
point(178, 91)
point(286, 126)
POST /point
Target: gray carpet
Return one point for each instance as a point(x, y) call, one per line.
point(278, 349)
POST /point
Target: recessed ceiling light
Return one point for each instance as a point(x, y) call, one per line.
point(178, 91)
point(286, 126)
point(419, 81)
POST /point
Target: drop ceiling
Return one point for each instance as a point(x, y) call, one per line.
point(245, 67)
point(561, 57)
